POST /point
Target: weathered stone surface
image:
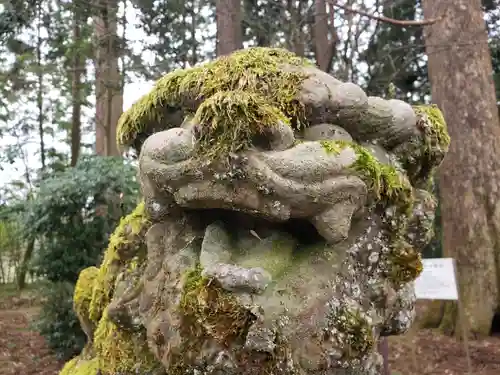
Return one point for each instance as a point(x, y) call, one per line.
point(277, 243)
point(326, 132)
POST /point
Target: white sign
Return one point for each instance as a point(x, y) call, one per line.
point(437, 280)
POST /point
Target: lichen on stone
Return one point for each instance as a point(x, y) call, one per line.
point(353, 330)
point(277, 258)
point(404, 263)
point(124, 244)
point(254, 71)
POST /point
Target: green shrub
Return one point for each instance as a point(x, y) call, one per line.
point(58, 323)
point(73, 214)
point(67, 214)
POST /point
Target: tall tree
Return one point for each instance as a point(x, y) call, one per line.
point(460, 71)
point(40, 85)
point(324, 35)
point(262, 21)
point(78, 67)
point(229, 26)
point(109, 90)
point(295, 29)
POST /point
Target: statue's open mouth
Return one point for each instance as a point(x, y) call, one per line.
point(252, 251)
point(240, 223)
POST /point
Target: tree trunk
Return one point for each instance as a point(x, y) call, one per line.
point(228, 18)
point(195, 10)
point(324, 46)
point(76, 90)
point(39, 98)
point(28, 254)
point(109, 90)
point(294, 32)
point(23, 268)
point(460, 72)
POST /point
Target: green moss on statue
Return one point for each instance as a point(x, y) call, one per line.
point(404, 263)
point(385, 183)
point(207, 311)
point(126, 240)
point(216, 310)
point(357, 333)
point(226, 116)
point(435, 129)
point(83, 291)
point(113, 350)
point(118, 351)
point(423, 154)
point(248, 84)
point(78, 366)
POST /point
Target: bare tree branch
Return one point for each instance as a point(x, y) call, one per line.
point(392, 21)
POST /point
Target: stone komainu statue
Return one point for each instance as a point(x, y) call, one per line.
point(281, 226)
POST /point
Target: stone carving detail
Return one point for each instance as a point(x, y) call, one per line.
point(284, 214)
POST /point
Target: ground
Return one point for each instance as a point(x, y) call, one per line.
point(23, 352)
point(427, 352)
point(439, 355)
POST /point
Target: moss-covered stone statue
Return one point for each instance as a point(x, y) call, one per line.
point(284, 213)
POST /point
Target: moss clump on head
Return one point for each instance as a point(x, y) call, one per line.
point(125, 242)
point(231, 119)
point(79, 366)
point(386, 184)
point(83, 291)
point(118, 351)
point(254, 71)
